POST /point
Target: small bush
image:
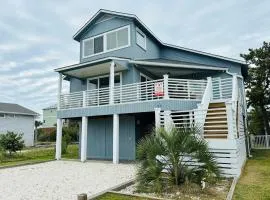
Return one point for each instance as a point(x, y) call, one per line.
point(2, 153)
point(46, 136)
point(170, 152)
point(11, 142)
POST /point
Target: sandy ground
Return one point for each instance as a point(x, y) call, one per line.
point(61, 180)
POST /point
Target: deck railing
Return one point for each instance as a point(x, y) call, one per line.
point(167, 88)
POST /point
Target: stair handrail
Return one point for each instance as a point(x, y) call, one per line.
point(203, 106)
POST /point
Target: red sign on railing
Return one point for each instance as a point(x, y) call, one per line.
point(159, 89)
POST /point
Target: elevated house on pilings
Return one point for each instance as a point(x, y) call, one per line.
point(128, 81)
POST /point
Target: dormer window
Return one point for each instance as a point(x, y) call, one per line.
point(140, 38)
point(109, 41)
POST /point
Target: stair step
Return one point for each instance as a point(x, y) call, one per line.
point(217, 105)
point(215, 136)
point(215, 122)
point(216, 127)
point(218, 117)
point(216, 113)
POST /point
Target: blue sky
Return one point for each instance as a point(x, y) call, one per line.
point(36, 36)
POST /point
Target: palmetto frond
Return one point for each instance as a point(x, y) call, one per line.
point(179, 153)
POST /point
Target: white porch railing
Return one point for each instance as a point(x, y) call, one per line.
point(196, 119)
point(136, 92)
point(222, 88)
point(260, 141)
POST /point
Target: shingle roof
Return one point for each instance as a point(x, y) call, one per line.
point(54, 106)
point(15, 108)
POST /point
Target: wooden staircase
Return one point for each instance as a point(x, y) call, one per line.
point(216, 125)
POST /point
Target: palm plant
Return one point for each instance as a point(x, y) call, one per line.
point(173, 157)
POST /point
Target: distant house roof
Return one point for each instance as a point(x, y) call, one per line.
point(54, 106)
point(15, 109)
point(90, 22)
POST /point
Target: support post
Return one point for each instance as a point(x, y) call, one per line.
point(84, 98)
point(157, 118)
point(230, 121)
point(58, 147)
point(84, 138)
point(112, 83)
point(166, 86)
point(168, 123)
point(59, 91)
point(115, 138)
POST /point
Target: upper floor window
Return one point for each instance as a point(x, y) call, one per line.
point(140, 38)
point(109, 41)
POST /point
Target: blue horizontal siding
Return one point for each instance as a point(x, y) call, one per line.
point(148, 106)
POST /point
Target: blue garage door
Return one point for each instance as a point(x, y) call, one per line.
point(100, 138)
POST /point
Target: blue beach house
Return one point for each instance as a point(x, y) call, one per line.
point(128, 81)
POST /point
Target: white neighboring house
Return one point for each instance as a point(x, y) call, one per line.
point(18, 119)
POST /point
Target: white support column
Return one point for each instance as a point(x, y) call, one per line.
point(168, 123)
point(84, 138)
point(59, 90)
point(115, 138)
point(166, 86)
point(157, 118)
point(112, 82)
point(84, 99)
point(58, 146)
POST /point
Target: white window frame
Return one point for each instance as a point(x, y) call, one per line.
point(140, 32)
point(103, 76)
point(4, 115)
point(105, 42)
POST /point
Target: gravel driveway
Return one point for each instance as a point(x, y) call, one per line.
point(61, 179)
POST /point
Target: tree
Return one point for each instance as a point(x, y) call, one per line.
point(258, 81)
point(255, 123)
point(172, 151)
point(37, 124)
point(11, 142)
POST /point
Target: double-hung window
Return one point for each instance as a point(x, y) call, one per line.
point(109, 41)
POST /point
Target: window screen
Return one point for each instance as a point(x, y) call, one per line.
point(122, 37)
point(111, 41)
point(98, 44)
point(88, 47)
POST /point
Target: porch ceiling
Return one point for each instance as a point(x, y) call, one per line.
point(95, 70)
point(159, 67)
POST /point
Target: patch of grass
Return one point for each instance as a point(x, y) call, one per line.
point(113, 196)
point(35, 155)
point(254, 182)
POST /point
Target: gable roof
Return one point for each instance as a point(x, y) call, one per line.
point(15, 109)
point(137, 20)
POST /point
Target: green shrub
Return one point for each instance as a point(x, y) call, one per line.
point(46, 136)
point(170, 152)
point(11, 142)
point(2, 153)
